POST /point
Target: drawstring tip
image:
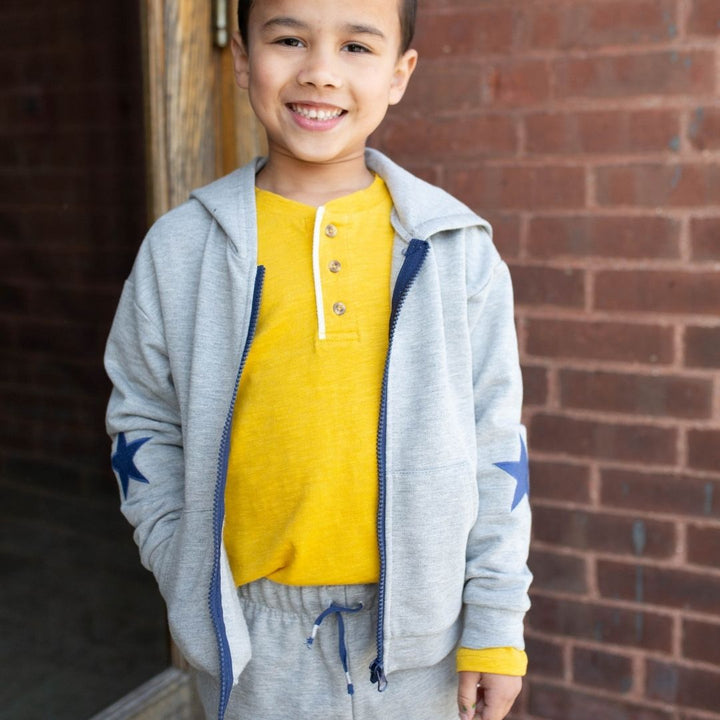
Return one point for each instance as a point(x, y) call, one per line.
point(351, 689)
point(311, 639)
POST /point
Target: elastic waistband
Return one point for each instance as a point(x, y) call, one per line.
point(307, 600)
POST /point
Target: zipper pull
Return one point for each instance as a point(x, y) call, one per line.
point(377, 675)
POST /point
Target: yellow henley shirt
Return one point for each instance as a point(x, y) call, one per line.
point(302, 478)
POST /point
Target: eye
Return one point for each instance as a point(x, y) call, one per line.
point(289, 42)
point(356, 48)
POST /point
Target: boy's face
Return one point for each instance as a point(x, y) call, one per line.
point(321, 73)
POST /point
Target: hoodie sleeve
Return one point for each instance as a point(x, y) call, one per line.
point(143, 418)
point(497, 578)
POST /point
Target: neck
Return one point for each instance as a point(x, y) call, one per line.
point(313, 183)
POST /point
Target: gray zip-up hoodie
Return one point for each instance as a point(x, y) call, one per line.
point(453, 515)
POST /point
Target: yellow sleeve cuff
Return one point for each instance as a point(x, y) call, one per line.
point(498, 661)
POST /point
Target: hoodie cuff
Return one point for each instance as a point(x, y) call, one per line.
point(498, 661)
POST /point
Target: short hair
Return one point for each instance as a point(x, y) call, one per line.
point(408, 13)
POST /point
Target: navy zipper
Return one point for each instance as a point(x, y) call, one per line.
point(415, 255)
point(214, 597)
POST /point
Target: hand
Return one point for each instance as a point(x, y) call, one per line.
point(486, 696)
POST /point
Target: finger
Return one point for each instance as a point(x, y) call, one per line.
point(497, 696)
point(467, 694)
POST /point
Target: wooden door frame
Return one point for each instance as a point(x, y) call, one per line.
point(198, 124)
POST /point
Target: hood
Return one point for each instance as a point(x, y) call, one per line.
point(421, 210)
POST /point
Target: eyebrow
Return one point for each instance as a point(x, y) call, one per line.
point(288, 22)
point(294, 23)
point(354, 29)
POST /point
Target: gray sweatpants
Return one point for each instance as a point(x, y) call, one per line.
point(287, 679)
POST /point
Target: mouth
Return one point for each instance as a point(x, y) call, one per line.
point(313, 112)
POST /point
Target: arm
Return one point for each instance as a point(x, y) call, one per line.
point(143, 420)
point(497, 578)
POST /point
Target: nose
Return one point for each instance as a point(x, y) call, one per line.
point(319, 70)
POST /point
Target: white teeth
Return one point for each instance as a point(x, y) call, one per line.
point(315, 114)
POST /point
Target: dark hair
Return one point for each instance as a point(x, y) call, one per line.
point(408, 13)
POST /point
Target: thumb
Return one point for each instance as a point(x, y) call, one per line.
point(467, 694)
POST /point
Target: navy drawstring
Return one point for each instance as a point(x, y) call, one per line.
point(337, 610)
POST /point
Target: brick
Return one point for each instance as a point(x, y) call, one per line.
point(701, 641)
point(39, 227)
point(609, 441)
point(519, 188)
point(704, 128)
point(28, 404)
point(673, 494)
point(538, 285)
point(667, 73)
point(705, 239)
point(703, 545)
point(607, 671)
point(558, 703)
point(506, 233)
point(557, 572)
point(657, 395)
point(561, 26)
point(546, 658)
point(87, 148)
point(601, 623)
point(57, 301)
point(82, 268)
point(704, 18)
point(602, 132)
point(13, 300)
point(704, 449)
point(579, 236)
point(664, 587)
point(596, 340)
point(560, 481)
point(658, 185)
point(460, 137)
point(660, 291)
point(702, 347)
point(462, 31)
point(429, 173)
point(535, 382)
point(58, 188)
point(61, 340)
point(683, 686)
point(514, 82)
point(441, 84)
point(601, 532)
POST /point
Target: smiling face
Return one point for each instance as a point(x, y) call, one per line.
point(321, 75)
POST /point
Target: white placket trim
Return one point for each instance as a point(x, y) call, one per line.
point(316, 272)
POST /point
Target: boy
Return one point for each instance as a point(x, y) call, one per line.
point(251, 360)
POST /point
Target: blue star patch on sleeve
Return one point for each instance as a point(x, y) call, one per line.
point(519, 471)
point(123, 462)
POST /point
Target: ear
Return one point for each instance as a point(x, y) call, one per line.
point(401, 77)
point(241, 62)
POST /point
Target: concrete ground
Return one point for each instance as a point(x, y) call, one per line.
point(81, 623)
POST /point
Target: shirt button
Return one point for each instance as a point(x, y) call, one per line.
point(331, 231)
point(339, 308)
point(334, 266)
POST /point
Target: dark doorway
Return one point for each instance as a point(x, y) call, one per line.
point(80, 620)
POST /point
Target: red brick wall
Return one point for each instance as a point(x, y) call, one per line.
point(72, 212)
point(588, 132)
